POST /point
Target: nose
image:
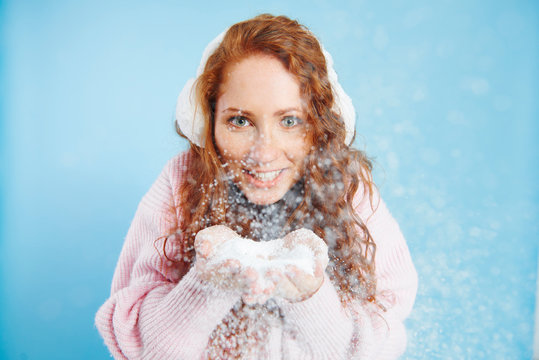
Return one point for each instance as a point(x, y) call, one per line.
point(265, 148)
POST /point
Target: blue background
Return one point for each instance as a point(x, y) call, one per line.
point(446, 94)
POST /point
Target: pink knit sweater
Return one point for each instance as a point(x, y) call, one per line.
point(156, 311)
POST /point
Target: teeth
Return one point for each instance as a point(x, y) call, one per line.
point(265, 176)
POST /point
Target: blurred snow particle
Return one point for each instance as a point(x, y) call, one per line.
point(413, 17)
point(485, 63)
point(416, 54)
point(444, 50)
point(49, 310)
point(382, 143)
point(340, 23)
point(478, 86)
point(392, 161)
point(430, 156)
point(380, 39)
point(419, 94)
point(358, 31)
point(406, 128)
point(489, 234)
point(456, 117)
point(438, 201)
point(482, 233)
point(475, 231)
point(453, 231)
point(502, 103)
point(399, 190)
point(429, 215)
point(456, 153)
point(81, 296)
point(69, 160)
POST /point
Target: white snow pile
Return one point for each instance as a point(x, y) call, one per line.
point(229, 260)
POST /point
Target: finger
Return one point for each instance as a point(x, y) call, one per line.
point(297, 278)
point(249, 277)
point(292, 271)
point(203, 247)
point(250, 274)
point(208, 239)
point(267, 287)
point(202, 270)
point(256, 288)
point(286, 289)
point(273, 275)
point(305, 283)
point(319, 270)
point(232, 265)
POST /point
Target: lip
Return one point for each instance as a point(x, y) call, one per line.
point(263, 184)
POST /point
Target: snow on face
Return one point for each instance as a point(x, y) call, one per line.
point(261, 128)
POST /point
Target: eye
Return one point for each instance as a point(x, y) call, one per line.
point(239, 121)
point(290, 121)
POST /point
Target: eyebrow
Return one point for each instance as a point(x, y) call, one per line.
point(248, 113)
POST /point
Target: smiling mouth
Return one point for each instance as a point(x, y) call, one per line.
point(264, 176)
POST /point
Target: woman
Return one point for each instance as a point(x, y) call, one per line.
point(270, 129)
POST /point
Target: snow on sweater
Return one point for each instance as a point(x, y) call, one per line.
point(156, 311)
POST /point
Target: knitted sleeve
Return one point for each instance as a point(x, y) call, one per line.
point(157, 311)
point(396, 285)
point(320, 328)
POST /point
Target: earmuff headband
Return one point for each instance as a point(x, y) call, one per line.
point(191, 121)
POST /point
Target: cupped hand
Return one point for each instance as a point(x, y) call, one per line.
point(259, 288)
point(291, 268)
point(217, 262)
point(298, 283)
point(208, 240)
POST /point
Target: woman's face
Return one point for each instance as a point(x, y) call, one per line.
point(261, 128)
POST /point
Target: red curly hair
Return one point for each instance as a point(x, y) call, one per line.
point(334, 172)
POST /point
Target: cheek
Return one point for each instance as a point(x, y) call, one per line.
point(222, 140)
point(299, 148)
point(229, 147)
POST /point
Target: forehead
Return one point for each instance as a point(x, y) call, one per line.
point(259, 78)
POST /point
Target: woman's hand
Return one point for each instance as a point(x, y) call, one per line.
point(225, 259)
point(208, 240)
point(291, 268)
point(222, 273)
point(298, 283)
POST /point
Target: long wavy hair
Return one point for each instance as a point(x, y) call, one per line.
point(334, 172)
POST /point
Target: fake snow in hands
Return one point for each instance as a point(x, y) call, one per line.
point(291, 268)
